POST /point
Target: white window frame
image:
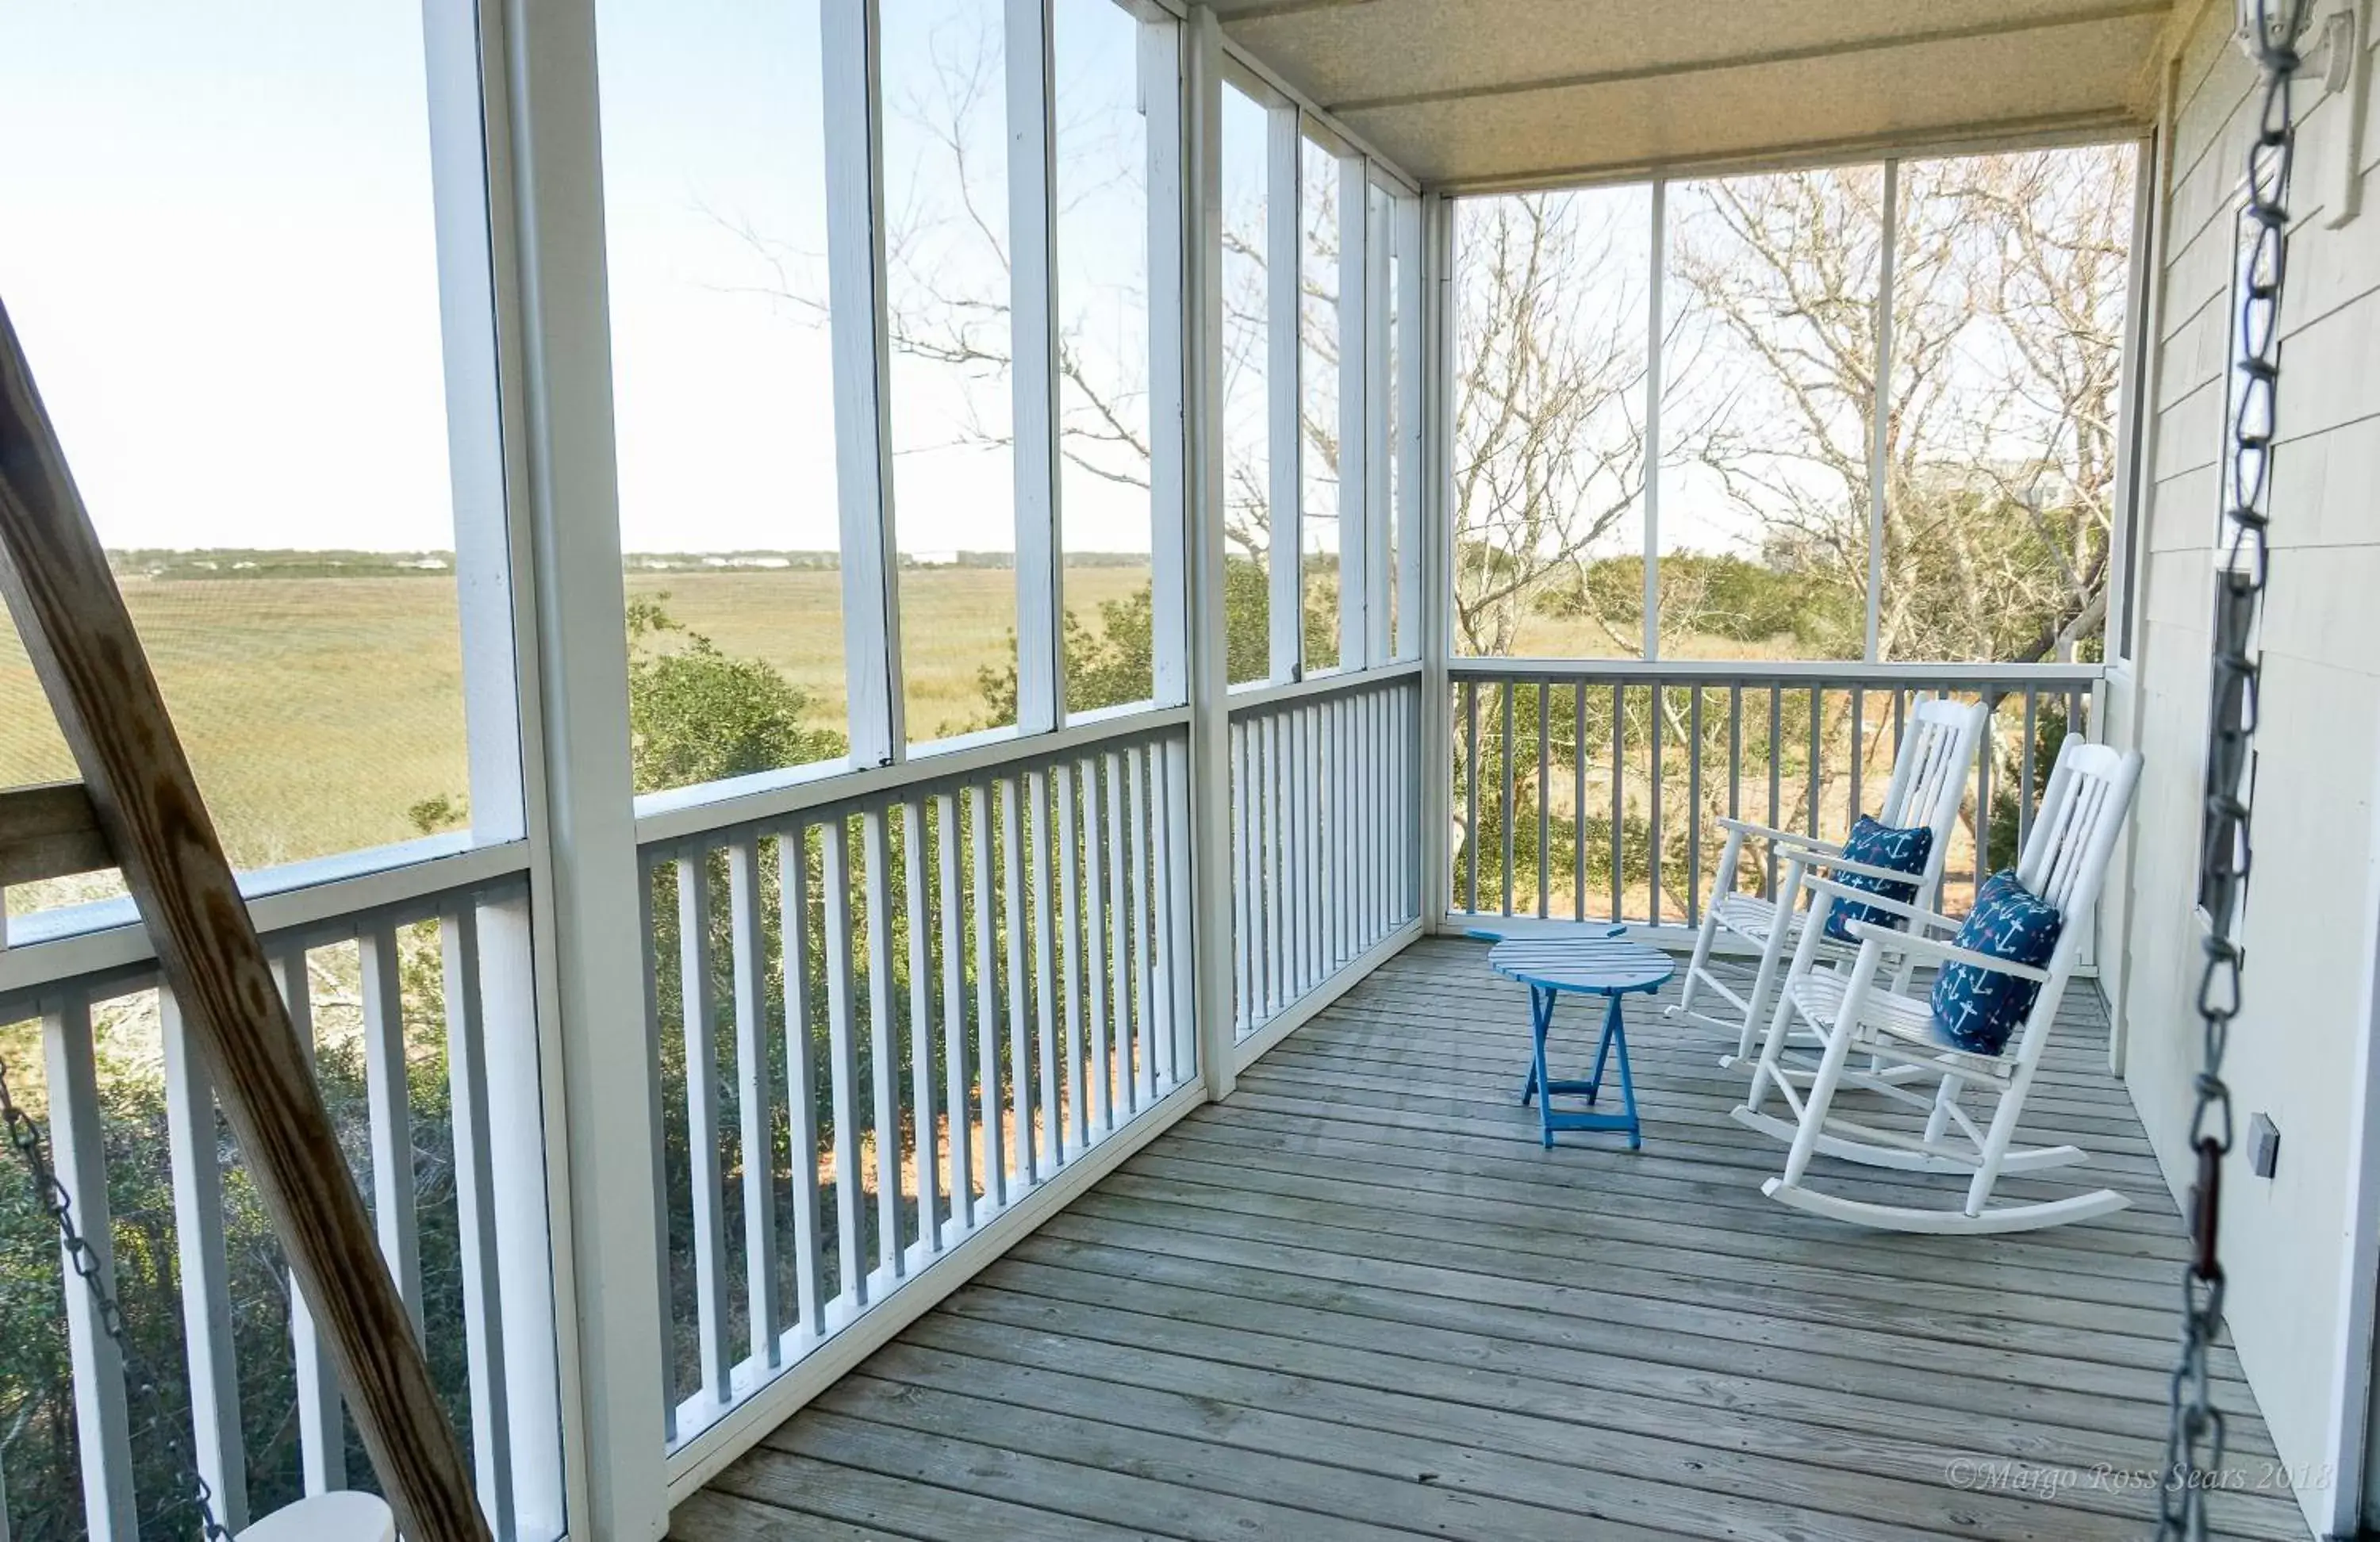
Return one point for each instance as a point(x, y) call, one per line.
point(2127, 494)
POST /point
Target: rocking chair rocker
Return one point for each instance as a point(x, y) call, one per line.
point(2064, 863)
point(1929, 775)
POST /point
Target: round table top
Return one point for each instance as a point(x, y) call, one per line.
point(1595, 965)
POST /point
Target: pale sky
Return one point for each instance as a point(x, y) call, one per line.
point(220, 256)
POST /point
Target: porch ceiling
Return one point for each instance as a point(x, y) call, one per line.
point(1480, 92)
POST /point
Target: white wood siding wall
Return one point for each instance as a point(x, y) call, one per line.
point(2309, 924)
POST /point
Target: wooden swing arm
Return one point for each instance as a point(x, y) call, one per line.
point(80, 637)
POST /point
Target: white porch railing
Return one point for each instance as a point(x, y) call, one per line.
point(416, 1001)
point(1325, 798)
point(1591, 789)
point(924, 1001)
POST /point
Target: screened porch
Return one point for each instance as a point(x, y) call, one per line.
point(902, 656)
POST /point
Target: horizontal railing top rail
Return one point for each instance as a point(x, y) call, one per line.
point(341, 913)
point(811, 792)
point(1246, 699)
point(1585, 792)
point(105, 939)
point(1722, 671)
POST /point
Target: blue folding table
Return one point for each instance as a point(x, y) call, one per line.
point(1608, 967)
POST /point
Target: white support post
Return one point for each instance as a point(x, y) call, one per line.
point(848, 51)
point(1032, 374)
point(1285, 439)
point(1169, 383)
point(1879, 452)
point(1434, 554)
point(543, 144)
point(1355, 410)
point(1379, 519)
point(477, 280)
point(1653, 386)
point(1414, 395)
point(1209, 772)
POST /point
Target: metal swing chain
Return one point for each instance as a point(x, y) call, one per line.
point(2194, 1440)
point(25, 1135)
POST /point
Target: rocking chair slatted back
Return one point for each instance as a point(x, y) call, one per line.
point(2081, 815)
point(2067, 860)
point(1929, 775)
point(1929, 779)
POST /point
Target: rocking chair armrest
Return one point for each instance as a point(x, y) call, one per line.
point(1944, 953)
point(1925, 919)
point(1864, 870)
point(1779, 837)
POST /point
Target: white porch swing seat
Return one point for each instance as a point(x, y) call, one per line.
point(1929, 777)
point(2064, 860)
point(343, 1515)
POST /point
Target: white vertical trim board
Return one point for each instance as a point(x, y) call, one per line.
point(1033, 373)
point(862, 455)
point(1434, 553)
point(1880, 425)
point(1171, 221)
point(1414, 394)
point(1285, 440)
point(1378, 245)
point(475, 442)
point(1355, 423)
point(1659, 239)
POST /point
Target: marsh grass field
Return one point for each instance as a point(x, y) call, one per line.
point(317, 709)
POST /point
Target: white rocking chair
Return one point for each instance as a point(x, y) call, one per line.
point(2064, 860)
point(1929, 776)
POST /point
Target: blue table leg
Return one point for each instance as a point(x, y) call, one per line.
point(1603, 1047)
point(1615, 1031)
point(1541, 1016)
point(1544, 1087)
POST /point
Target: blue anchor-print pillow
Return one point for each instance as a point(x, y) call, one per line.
point(1975, 1008)
point(1879, 845)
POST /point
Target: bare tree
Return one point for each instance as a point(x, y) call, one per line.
point(2000, 441)
point(1548, 444)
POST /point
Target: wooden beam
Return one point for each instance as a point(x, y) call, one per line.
point(50, 831)
point(89, 661)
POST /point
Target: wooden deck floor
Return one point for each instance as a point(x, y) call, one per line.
point(1357, 1300)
